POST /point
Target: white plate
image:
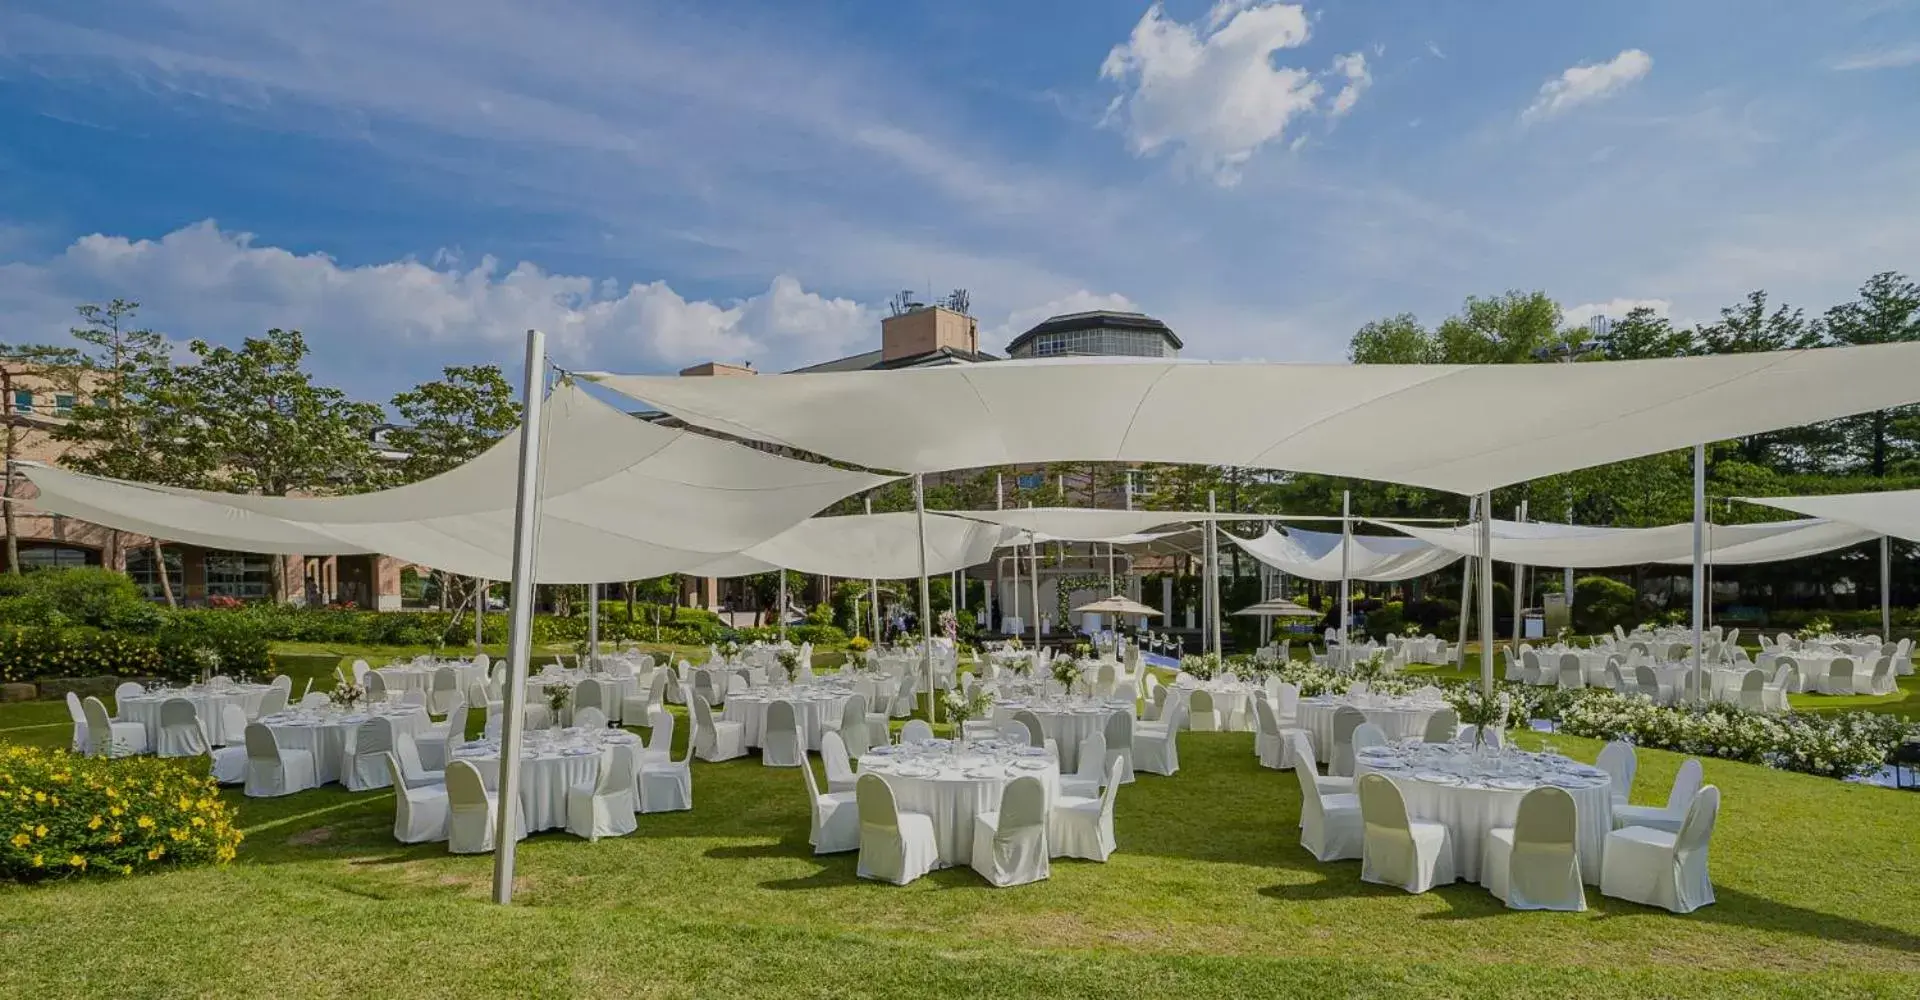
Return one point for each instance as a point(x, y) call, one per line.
point(1510, 784)
point(1386, 764)
point(1029, 764)
point(1438, 778)
point(985, 773)
point(915, 771)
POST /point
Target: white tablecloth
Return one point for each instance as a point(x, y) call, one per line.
point(1400, 719)
point(810, 711)
point(411, 677)
point(1816, 668)
point(209, 704)
point(953, 798)
point(1232, 702)
point(548, 769)
point(328, 735)
point(1066, 725)
point(1468, 811)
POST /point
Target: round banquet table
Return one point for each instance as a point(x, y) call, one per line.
point(811, 711)
point(1400, 719)
point(1232, 703)
point(1424, 775)
point(548, 769)
point(420, 678)
point(328, 734)
point(1066, 725)
point(1816, 669)
point(955, 790)
point(209, 703)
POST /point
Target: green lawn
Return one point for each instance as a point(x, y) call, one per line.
point(1210, 895)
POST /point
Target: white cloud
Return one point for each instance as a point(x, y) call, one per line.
point(1612, 309)
point(1354, 66)
point(201, 281)
point(1587, 83)
point(1210, 88)
point(1434, 48)
point(1894, 58)
point(995, 338)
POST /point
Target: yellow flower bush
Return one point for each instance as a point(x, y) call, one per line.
point(63, 815)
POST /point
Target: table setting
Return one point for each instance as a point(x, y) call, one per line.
point(1471, 790)
point(551, 762)
point(210, 700)
point(1401, 717)
point(953, 782)
point(814, 705)
point(328, 732)
point(417, 674)
point(1232, 700)
point(1066, 720)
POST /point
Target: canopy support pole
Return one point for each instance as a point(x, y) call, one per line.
point(926, 603)
point(1486, 592)
point(1213, 574)
point(1033, 579)
point(1886, 589)
point(873, 592)
point(1000, 565)
point(479, 613)
point(526, 523)
point(1466, 594)
point(1519, 586)
point(780, 610)
point(593, 626)
point(1699, 563)
point(1346, 580)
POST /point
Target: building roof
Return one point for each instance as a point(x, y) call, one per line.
point(1096, 319)
point(872, 360)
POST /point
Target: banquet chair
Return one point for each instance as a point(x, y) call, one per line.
point(229, 763)
point(108, 737)
point(360, 671)
point(1661, 868)
point(273, 702)
point(446, 687)
point(1648, 684)
point(715, 741)
point(589, 718)
point(79, 717)
point(736, 685)
point(1774, 696)
point(1535, 863)
point(1036, 730)
point(835, 816)
point(604, 806)
point(126, 690)
point(781, 745)
point(833, 754)
point(703, 686)
point(285, 683)
point(1010, 845)
point(1368, 734)
point(1620, 762)
point(1330, 827)
point(895, 846)
point(916, 731)
point(1416, 856)
point(1686, 785)
point(1752, 692)
point(180, 732)
point(360, 767)
point(1082, 826)
point(1201, 717)
point(1089, 770)
point(1156, 696)
point(272, 771)
point(854, 728)
point(1301, 747)
point(419, 814)
point(666, 785)
point(1442, 726)
point(1118, 732)
point(659, 737)
point(231, 728)
point(1839, 677)
point(590, 693)
point(471, 812)
point(1156, 745)
point(1530, 667)
point(437, 743)
point(1881, 682)
point(1269, 742)
point(1615, 681)
point(375, 685)
point(407, 752)
point(1572, 674)
point(1346, 719)
point(902, 706)
point(1903, 658)
point(312, 699)
point(1286, 704)
point(642, 706)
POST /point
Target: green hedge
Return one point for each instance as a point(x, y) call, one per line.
point(178, 653)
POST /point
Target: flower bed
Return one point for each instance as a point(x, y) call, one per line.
point(63, 815)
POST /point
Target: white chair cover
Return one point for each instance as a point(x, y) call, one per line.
point(109, 738)
point(1156, 746)
point(895, 846)
point(1395, 850)
point(1082, 826)
point(1663, 869)
point(1686, 783)
point(604, 807)
point(1085, 781)
point(782, 744)
point(363, 769)
point(407, 753)
point(715, 741)
point(1119, 735)
point(835, 825)
point(1330, 827)
point(1346, 719)
point(180, 732)
point(1619, 761)
point(916, 731)
point(79, 717)
point(470, 811)
point(272, 771)
point(833, 753)
point(666, 785)
point(1010, 846)
point(1535, 863)
point(419, 814)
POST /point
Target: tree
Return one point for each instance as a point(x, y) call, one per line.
point(269, 429)
point(1396, 340)
point(1644, 334)
point(765, 588)
point(448, 422)
point(39, 366)
point(1502, 330)
point(137, 423)
point(1887, 311)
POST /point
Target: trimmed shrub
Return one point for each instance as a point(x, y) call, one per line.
point(1600, 603)
point(29, 654)
point(86, 596)
point(63, 815)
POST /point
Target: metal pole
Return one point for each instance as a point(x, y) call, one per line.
point(780, 612)
point(593, 626)
point(1566, 579)
point(1886, 589)
point(1519, 584)
point(1033, 579)
point(926, 603)
point(1346, 581)
point(1466, 594)
point(1000, 564)
point(479, 613)
point(1213, 574)
point(1486, 592)
point(873, 592)
point(526, 527)
point(1699, 560)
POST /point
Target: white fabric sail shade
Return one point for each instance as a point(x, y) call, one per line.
point(1895, 513)
point(1446, 427)
point(1315, 555)
point(1536, 543)
point(867, 546)
point(1094, 524)
point(623, 499)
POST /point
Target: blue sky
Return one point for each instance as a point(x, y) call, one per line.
point(660, 183)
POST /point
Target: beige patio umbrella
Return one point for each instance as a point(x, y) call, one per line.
point(1116, 605)
point(1279, 607)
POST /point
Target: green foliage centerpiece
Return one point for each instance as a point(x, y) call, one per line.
point(1067, 671)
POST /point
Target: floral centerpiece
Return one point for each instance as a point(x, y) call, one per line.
point(962, 707)
point(1484, 710)
point(346, 696)
point(1014, 644)
point(1067, 671)
point(1817, 627)
point(558, 695)
point(1083, 650)
point(729, 649)
point(949, 625)
point(789, 660)
point(1201, 667)
point(859, 644)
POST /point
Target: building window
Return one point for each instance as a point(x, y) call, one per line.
point(56, 557)
point(140, 568)
point(245, 576)
point(1032, 480)
point(23, 400)
point(63, 404)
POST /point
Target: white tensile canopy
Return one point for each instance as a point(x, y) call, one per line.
point(622, 499)
point(1540, 543)
point(1094, 524)
point(872, 546)
point(1447, 427)
point(1315, 555)
point(1895, 512)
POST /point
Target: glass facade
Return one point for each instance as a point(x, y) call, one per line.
point(140, 568)
point(1106, 341)
point(243, 575)
point(56, 557)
